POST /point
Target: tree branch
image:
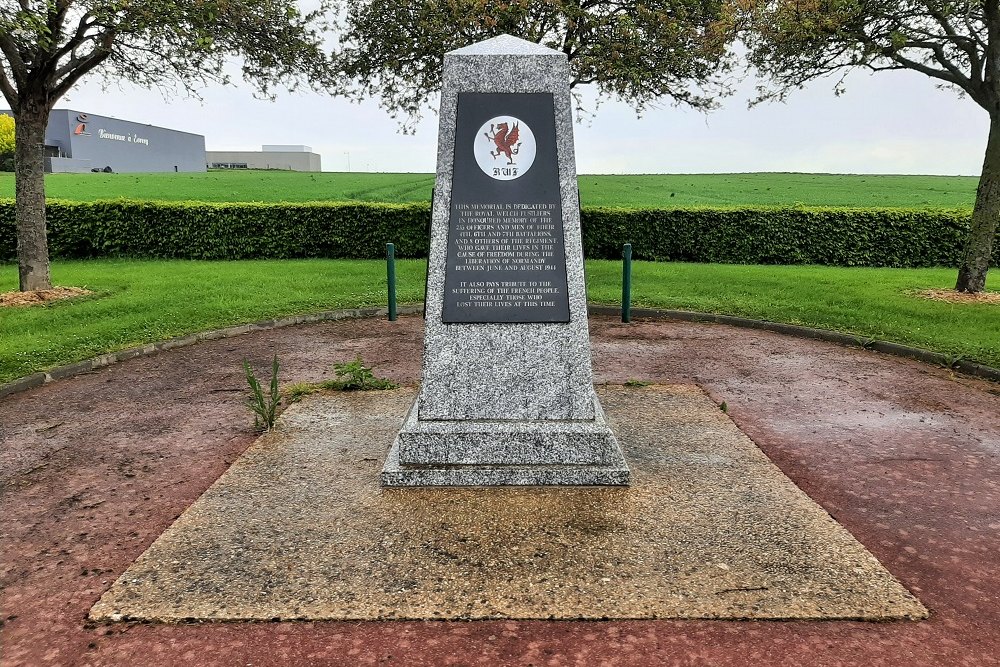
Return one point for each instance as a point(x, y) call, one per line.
point(968, 43)
point(84, 65)
point(909, 63)
point(938, 50)
point(78, 38)
point(9, 92)
point(991, 73)
point(17, 68)
point(56, 16)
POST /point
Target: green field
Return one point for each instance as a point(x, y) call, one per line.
point(138, 302)
point(660, 190)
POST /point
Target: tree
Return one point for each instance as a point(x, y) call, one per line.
point(631, 50)
point(47, 46)
point(6, 143)
point(954, 42)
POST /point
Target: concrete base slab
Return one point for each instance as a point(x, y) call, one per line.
point(298, 528)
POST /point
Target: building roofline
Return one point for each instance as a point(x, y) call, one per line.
point(124, 120)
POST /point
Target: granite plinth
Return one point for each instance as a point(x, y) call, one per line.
point(506, 371)
point(396, 475)
point(505, 453)
point(497, 442)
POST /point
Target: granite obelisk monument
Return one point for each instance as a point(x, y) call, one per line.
point(507, 394)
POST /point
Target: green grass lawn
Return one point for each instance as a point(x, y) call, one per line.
point(658, 190)
point(138, 302)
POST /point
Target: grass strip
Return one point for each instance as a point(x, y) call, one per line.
point(871, 303)
point(138, 302)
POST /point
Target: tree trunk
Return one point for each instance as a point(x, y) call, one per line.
point(29, 207)
point(979, 244)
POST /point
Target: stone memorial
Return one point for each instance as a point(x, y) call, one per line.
point(507, 394)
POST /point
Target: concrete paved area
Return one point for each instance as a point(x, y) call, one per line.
point(298, 528)
point(904, 455)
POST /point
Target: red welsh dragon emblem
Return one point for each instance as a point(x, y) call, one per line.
point(505, 139)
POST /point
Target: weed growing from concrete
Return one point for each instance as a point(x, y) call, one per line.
point(264, 407)
point(355, 376)
point(351, 376)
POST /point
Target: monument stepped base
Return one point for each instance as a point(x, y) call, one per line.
point(505, 453)
point(396, 475)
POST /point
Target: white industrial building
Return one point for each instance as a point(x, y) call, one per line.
point(288, 158)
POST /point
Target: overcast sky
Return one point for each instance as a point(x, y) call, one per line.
point(890, 123)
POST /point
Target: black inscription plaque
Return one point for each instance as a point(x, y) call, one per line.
point(506, 260)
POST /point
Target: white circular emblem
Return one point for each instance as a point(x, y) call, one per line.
point(504, 148)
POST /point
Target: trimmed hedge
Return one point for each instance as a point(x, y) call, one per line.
point(182, 230)
point(833, 237)
point(838, 237)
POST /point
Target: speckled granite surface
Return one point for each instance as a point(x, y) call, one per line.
point(298, 528)
point(509, 442)
point(502, 397)
point(506, 371)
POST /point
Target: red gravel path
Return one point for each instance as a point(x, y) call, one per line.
point(904, 455)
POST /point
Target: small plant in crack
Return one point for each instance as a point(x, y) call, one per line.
point(355, 376)
point(294, 392)
point(953, 361)
point(264, 406)
point(866, 343)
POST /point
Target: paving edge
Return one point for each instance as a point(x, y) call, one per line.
point(87, 365)
point(60, 372)
point(850, 340)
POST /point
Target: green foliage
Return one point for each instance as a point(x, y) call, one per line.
point(868, 303)
point(48, 47)
point(952, 361)
point(351, 376)
point(793, 41)
point(169, 230)
point(355, 376)
point(157, 43)
point(834, 237)
point(953, 42)
point(865, 342)
point(6, 143)
point(637, 383)
point(264, 407)
point(634, 51)
point(6, 133)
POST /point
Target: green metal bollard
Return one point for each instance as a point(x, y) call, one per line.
point(390, 269)
point(627, 283)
